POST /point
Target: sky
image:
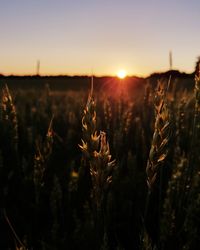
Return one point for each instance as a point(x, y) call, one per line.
point(79, 37)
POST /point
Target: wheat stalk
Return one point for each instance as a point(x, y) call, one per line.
point(18, 243)
point(101, 168)
point(161, 137)
point(42, 155)
point(90, 139)
point(96, 154)
point(9, 116)
point(96, 151)
point(196, 122)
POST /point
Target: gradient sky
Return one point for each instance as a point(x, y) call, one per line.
point(103, 36)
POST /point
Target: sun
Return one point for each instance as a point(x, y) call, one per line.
point(122, 74)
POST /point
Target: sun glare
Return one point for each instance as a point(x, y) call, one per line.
point(121, 74)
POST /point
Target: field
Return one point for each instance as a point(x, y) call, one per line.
point(109, 165)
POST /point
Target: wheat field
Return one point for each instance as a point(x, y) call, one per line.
point(95, 169)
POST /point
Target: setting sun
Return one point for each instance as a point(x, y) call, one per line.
point(122, 74)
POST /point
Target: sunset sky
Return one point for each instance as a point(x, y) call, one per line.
point(99, 36)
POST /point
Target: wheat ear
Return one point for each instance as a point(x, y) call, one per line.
point(161, 137)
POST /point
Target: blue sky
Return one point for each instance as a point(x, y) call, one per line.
point(80, 36)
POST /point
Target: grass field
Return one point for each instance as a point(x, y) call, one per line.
point(113, 166)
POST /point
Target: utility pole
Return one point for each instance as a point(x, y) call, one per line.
point(38, 68)
point(170, 60)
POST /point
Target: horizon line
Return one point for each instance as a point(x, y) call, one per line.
point(94, 75)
